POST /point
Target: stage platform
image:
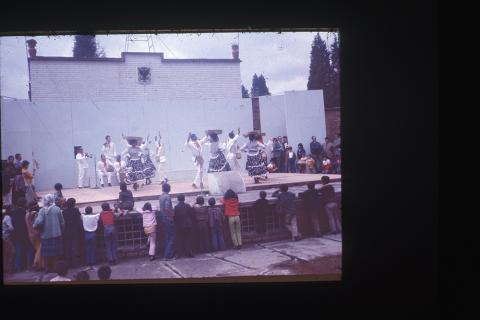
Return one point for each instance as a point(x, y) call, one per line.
point(94, 197)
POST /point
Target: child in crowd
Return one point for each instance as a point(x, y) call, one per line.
point(215, 222)
point(232, 212)
point(82, 276)
point(90, 225)
point(109, 233)
point(61, 268)
point(8, 246)
point(150, 228)
point(202, 229)
point(58, 195)
point(104, 272)
point(272, 166)
point(327, 165)
point(261, 210)
point(125, 201)
point(310, 163)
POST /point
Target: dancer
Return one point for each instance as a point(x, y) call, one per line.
point(255, 162)
point(135, 167)
point(195, 146)
point(217, 162)
point(108, 149)
point(149, 167)
point(160, 159)
point(232, 151)
point(105, 168)
point(82, 162)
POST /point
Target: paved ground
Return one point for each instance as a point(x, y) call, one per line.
point(309, 256)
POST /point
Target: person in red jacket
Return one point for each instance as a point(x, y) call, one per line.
point(232, 212)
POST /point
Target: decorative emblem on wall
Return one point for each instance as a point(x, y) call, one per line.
point(144, 75)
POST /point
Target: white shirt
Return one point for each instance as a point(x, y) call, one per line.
point(81, 161)
point(196, 150)
point(119, 165)
point(101, 166)
point(109, 151)
point(232, 146)
point(90, 221)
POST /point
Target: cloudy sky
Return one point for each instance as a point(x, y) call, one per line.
point(283, 59)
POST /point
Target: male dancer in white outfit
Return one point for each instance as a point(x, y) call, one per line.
point(102, 170)
point(82, 162)
point(232, 149)
point(108, 149)
point(160, 159)
point(195, 146)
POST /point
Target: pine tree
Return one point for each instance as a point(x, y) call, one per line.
point(86, 47)
point(320, 69)
point(259, 86)
point(245, 92)
point(334, 85)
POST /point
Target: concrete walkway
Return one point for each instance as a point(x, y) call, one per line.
point(273, 258)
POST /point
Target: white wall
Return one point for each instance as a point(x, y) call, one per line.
point(51, 129)
point(73, 80)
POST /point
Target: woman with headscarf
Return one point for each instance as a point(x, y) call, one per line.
point(255, 163)
point(51, 225)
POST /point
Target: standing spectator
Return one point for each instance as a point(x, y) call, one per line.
point(90, 225)
point(261, 210)
point(184, 221)
point(150, 228)
point(73, 233)
point(291, 160)
point(125, 199)
point(202, 229)
point(8, 176)
point(166, 217)
point(30, 194)
point(50, 221)
point(232, 212)
point(7, 237)
point(104, 272)
point(284, 156)
point(215, 222)
point(329, 205)
point(18, 162)
point(301, 158)
point(58, 195)
point(109, 232)
point(36, 241)
point(310, 164)
point(286, 207)
point(337, 150)
point(328, 148)
point(61, 268)
point(316, 150)
point(21, 240)
point(19, 187)
point(277, 150)
point(311, 203)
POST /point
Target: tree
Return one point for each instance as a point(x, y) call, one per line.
point(86, 47)
point(334, 85)
point(320, 69)
point(259, 86)
point(245, 92)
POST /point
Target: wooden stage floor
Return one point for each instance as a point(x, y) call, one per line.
point(93, 196)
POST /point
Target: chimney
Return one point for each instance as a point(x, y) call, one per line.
point(31, 48)
point(235, 52)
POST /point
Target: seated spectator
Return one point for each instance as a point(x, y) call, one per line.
point(272, 166)
point(184, 221)
point(104, 272)
point(82, 276)
point(61, 268)
point(310, 164)
point(58, 196)
point(125, 200)
point(215, 222)
point(201, 228)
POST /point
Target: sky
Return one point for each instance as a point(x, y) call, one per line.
point(282, 58)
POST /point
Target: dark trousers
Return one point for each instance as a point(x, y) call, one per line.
point(185, 240)
point(169, 233)
point(202, 237)
point(71, 247)
point(90, 248)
